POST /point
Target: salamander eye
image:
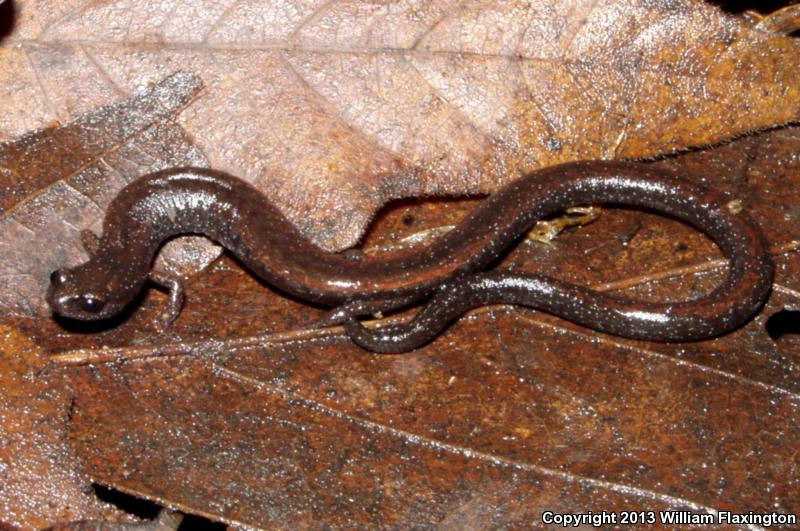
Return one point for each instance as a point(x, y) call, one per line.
point(58, 278)
point(91, 304)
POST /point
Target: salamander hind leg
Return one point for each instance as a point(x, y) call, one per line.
point(375, 307)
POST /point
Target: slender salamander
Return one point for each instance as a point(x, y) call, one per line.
point(177, 201)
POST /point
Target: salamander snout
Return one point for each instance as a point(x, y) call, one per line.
point(66, 297)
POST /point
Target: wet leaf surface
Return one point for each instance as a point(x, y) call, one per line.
point(239, 413)
point(40, 481)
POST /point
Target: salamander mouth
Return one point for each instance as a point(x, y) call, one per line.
point(73, 305)
point(82, 307)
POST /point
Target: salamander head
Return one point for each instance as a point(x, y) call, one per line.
point(84, 293)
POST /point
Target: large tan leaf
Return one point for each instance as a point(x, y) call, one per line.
point(333, 108)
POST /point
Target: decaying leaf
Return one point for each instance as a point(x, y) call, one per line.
point(508, 414)
point(334, 108)
point(493, 430)
point(39, 480)
point(239, 413)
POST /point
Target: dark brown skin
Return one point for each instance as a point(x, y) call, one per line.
point(202, 201)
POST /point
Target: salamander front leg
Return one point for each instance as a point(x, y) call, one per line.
point(174, 287)
point(90, 242)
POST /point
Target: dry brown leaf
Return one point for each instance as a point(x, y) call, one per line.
point(334, 108)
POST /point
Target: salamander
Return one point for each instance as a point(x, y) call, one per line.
point(449, 270)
